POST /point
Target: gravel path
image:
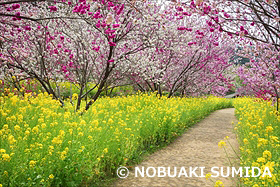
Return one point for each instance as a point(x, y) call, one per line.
point(198, 147)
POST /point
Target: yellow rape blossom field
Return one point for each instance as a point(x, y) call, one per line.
point(43, 144)
point(258, 133)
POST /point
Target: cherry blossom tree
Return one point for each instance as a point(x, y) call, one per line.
point(86, 46)
point(108, 42)
point(188, 54)
point(255, 26)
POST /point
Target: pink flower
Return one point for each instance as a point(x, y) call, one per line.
point(112, 60)
point(27, 28)
point(53, 8)
point(103, 25)
point(186, 14)
point(110, 4)
point(64, 69)
point(15, 6)
point(83, 11)
point(216, 19)
point(96, 48)
point(71, 64)
point(180, 9)
point(212, 29)
point(112, 44)
point(210, 23)
point(207, 9)
point(120, 10)
point(116, 25)
point(226, 15)
point(181, 28)
point(17, 14)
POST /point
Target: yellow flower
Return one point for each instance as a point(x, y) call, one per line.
point(110, 121)
point(219, 184)
point(269, 129)
point(83, 122)
point(56, 140)
point(32, 163)
point(245, 140)
point(17, 127)
point(44, 125)
point(27, 132)
point(75, 96)
point(11, 139)
point(35, 130)
point(51, 176)
point(81, 134)
point(2, 151)
point(63, 155)
point(267, 154)
point(261, 159)
point(5, 126)
point(95, 122)
point(105, 150)
point(61, 132)
point(6, 157)
point(221, 143)
point(208, 175)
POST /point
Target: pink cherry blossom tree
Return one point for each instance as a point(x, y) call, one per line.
point(188, 51)
point(256, 26)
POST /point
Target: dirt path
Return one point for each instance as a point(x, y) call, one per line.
point(198, 147)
